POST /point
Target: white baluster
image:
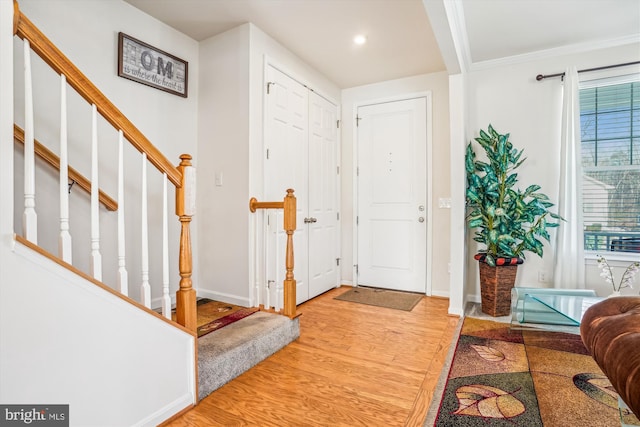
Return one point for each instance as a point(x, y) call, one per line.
point(279, 291)
point(96, 257)
point(145, 288)
point(29, 217)
point(64, 240)
point(266, 232)
point(123, 279)
point(166, 298)
point(256, 275)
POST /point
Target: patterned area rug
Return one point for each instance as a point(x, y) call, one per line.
point(213, 315)
point(503, 377)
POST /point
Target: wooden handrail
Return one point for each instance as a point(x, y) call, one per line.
point(50, 54)
point(49, 157)
point(185, 197)
point(255, 204)
point(289, 206)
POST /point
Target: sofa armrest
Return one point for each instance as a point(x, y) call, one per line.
point(610, 331)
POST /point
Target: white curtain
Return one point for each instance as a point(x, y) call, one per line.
point(569, 252)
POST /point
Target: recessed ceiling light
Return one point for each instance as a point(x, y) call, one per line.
point(360, 39)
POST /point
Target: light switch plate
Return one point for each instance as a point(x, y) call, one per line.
point(444, 202)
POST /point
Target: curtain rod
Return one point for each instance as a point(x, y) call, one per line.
point(541, 76)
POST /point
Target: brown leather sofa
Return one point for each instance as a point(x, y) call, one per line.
point(610, 330)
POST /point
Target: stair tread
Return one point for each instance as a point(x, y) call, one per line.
point(228, 352)
point(239, 332)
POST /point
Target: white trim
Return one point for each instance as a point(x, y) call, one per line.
point(268, 61)
point(428, 96)
point(554, 52)
point(354, 197)
point(169, 410)
point(455, 14)
point(224, 297)
point(615, 259)
point(609, 77)
point(440, 294)
point(458, 252)
point(339, 193)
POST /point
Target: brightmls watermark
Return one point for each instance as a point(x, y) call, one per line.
point(34, 415)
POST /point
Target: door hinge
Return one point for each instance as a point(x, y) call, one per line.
point(358, 121)
point(358, 171)
point(357, 220)
point(338, 216)
point(357, 270)
point(269, 87)
point(338, 124)
point(338, 170)
point(337, 261)
point(267, 154)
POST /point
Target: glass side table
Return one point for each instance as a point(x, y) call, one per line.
point(563, 309)
point(544, 307)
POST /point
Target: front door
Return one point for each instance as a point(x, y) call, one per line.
point(392, 195)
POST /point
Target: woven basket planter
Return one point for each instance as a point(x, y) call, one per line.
point(495, 288)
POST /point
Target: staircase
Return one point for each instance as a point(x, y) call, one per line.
point(83, 340)
point(228, 352)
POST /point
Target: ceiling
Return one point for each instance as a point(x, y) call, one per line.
point(409, 37)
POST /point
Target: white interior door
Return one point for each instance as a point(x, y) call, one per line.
point(302, 141)
point(392, 195)
point(286, 139)
point(323, 203)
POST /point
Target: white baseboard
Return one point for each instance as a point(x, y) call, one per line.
point(222, 297)
point(474, 298)
point(441, 294)
point(168, 411)
point(346, 282)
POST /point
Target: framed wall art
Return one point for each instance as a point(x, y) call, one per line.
point(150, 66)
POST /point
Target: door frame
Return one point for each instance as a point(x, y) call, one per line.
point(413, 95)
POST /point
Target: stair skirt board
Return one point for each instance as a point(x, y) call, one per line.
point(228, 352)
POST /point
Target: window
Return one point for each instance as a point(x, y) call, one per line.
point(610, 134)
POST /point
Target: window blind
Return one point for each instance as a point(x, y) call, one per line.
point(610, 136)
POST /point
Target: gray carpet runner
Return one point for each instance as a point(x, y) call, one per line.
point(228, 352)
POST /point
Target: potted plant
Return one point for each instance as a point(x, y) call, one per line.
point(508, 221)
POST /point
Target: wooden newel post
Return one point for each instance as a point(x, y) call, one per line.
point(16, 17)
point(289, 280)
point(185, 208)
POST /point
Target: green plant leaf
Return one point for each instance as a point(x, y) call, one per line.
point(508, 221)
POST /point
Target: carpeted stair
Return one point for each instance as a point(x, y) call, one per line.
point(228, 352)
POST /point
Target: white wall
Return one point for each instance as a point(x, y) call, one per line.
point(510, 98)
point(223, 148)
point(74, 343)
point(6, 129)
point(87, 33)
point(438, 85)
point(231, 143)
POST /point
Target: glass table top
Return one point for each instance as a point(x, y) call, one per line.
point(567, 309)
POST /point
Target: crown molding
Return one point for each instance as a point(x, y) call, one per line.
point(554, 52)
point(455, 14)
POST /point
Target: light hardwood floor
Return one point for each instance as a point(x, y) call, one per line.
point(353, 365)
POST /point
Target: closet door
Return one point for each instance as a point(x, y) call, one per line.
point(285, 166)
point(302, 142)
point(323, 201)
